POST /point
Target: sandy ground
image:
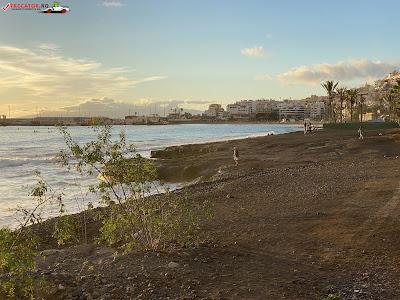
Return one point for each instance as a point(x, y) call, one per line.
point(301, 217)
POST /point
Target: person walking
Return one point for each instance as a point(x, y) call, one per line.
point(305, 127)
point(236, 155)
point(360, 134)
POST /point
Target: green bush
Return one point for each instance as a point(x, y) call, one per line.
point(332, 297)
point(17, 264)
point(135, 219)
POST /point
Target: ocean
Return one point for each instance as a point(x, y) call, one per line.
point(25, 150)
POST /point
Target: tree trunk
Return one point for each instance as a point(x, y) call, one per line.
point(341, 111)
point(351, 112)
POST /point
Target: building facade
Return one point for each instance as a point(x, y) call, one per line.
point(214, 111)
point(309, 108)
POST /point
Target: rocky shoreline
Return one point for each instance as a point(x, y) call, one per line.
point(301, 217)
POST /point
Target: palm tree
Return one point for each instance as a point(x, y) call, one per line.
point(361, 103)
point(330, 88)
point(352, 100)
point(342, 93)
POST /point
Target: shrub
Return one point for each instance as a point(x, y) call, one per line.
point(127, 181)
point(17, 264)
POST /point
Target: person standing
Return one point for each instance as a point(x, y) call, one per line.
point(305, 127)
point(236, 155)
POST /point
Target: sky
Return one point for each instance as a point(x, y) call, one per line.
point(113, 57)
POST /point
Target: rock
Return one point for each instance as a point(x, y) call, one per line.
point(88, 297)
point(61, 287)
point(173, 265)
point(76, 292)
point(84, 249)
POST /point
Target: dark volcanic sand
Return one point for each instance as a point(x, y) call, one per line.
point(300, 218)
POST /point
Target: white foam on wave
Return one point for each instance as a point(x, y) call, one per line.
point(20, 161)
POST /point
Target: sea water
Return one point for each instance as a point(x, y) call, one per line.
point(25, 150)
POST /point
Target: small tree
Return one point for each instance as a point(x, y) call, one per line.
point(19, 248)
point(126, 182)
point(17, 264)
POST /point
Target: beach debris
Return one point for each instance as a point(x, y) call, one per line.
point(229, 196)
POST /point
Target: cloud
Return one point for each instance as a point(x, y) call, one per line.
point(263, 77)
point(256, 51)
point(112, 3)
point(48, 47)
point(269, 35)
point(44, 72)
point(347, 71)
point(108, 107)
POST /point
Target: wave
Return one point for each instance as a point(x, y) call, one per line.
point(17, 162)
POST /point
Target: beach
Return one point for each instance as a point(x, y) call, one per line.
point(301, 217)
point(25, 150)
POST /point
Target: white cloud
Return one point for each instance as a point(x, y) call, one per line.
point(269, 35)
point(48, 47)
point(44, 72)
point(263, 77)
point(347, 71)
point(112, 3)
point(256, 51)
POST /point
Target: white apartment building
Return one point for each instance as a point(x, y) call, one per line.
point(240, 109)
point(317, 110)
point(316, 104)
point(312, 107)
point(292, 109)
point(386, 83)
point(249, 108)
point(214, 111)
point(264, 106)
